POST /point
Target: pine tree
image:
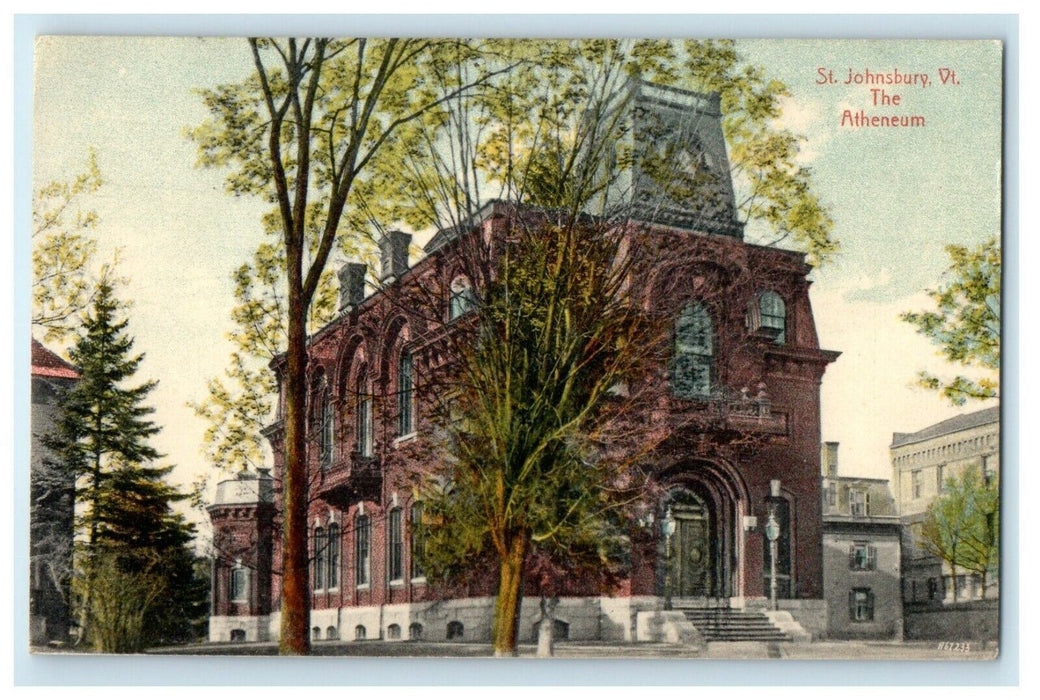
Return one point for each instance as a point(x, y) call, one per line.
point(134, 562)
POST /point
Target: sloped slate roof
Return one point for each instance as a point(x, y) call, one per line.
point(46, 364)
point(950, 425)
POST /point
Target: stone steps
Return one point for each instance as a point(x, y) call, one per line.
point(725, 625)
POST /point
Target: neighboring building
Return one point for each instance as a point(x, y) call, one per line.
point(860, 555)
point(52, 503)
point(738, 417)
point(243, 535)
point(921, 463)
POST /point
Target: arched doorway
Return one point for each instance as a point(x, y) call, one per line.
point(703, 557)
point(690, 555)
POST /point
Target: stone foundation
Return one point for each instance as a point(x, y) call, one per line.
point(251, 629)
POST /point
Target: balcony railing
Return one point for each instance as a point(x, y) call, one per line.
point(348, 480)
point(743, 410)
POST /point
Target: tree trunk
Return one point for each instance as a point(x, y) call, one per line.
point(545, 626)
point(295, 620)
point(507, 603)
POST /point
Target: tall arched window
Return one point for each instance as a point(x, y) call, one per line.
point(319, 559)
point(333, 556)
point(462, 298)
point(693, 361)
point(364, 414)
point(362, 540)
point(405, 394)
point(416, 543)
point(773, 313)
point(395, 546)
point(239, 583)
point(324, 416)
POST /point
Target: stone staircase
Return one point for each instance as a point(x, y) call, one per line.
point(723, 624)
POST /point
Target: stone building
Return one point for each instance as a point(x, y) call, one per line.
point(52, 503)
point(860, 555)
point(738, 414)
point(921, 463)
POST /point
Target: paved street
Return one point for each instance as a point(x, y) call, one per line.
point(907, 651)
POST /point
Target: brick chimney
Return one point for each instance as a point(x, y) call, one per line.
point(393, 255)
point(351, 286)
point(829, 458)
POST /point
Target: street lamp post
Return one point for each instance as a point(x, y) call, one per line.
point(772, 534)
point(668, 529)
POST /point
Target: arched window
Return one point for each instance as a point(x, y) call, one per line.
point(331, 632)
point(395, 545)
point(773, 316)
point(324, 416)
point(333, 556)
point(462, 299)
point(415, 631)
point(693, 361)
point(405, 395)
point(393, 631)
point(416, 543)
point(455, 630)
point(362, 538)
point(239, 583)
point(319, 559)
point(364, 415)
point(359, 632)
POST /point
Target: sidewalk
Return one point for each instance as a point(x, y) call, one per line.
point(831, 650)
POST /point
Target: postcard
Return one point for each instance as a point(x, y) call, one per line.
point(516, 347)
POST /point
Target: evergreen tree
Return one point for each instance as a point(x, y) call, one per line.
point(134, 566)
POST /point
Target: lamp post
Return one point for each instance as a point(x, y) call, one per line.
point(668, 529)
point(772, 534)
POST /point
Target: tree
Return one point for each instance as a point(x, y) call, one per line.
point(554, 335)
point(125, 522)
point(426, 133)
point(302, 132)
point(966, 323)
point(962, 525)
point(525, 480)
point(64, 253)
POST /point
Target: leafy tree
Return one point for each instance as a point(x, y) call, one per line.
point(350, 134)
point(101, 440)
point(302, 133)
point(966, 322)
point(64, 253)
point(962, 525)
point(527, 474)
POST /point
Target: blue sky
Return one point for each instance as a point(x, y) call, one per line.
point(896, 196)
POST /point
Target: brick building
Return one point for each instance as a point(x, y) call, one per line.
point(51, 519)
point(738, 411)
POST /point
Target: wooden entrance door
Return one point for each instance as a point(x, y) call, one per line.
point(692, 556)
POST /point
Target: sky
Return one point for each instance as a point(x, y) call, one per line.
point(897, 196)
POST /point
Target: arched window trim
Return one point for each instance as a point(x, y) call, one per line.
point(325, 426)
point(693, 359)
point(333, 559)
point(772, 316)
point(319, 559)
point(395, 546)
point(461, 297)
point(238, 588)
point(363, 414)
point(362, 551)
point(405, 394)
point(415, 543)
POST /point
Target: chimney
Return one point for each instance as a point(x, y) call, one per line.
point(351, 286)
point(829, 457)
point(393, 255)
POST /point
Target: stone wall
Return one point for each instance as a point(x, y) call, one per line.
point(977, 620)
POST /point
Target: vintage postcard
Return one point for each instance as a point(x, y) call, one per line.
point(516, 347)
